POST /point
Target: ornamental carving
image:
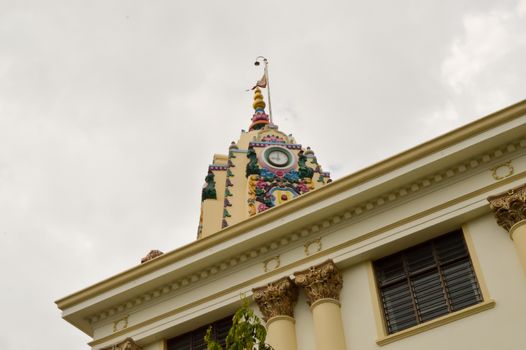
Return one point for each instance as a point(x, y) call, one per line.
point(313, 246)
point(151, 255)
point(320, 282)
point(127, 344)
point(268, 189)
point(120, 324)
point(509, 207)
point(209, 190)
point(502, 171)
point(271, 264)
point(277, 298)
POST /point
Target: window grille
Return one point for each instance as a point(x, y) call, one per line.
point(195, 340)
point(426, 281)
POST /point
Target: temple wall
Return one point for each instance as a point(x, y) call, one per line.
point(498, 327)
point(365, 221)
point(501, 327)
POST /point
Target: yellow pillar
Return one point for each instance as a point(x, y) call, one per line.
point(281, 332)
point(276, 302)
point(518, 235)
point(510, 212)
point(322, 285)
point(328, 324)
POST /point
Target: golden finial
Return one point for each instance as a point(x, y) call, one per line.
point(260, 118)
point(259, 103)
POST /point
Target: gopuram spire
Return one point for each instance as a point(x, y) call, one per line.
point(263, 169)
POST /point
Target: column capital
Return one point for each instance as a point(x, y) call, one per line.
point(509, 207)
point(320, 282)
point(276, 298)
point(126, 344)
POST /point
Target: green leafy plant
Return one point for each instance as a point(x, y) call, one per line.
point(246, 333)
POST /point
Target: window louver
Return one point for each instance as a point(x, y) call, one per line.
point(195, 340)
point(427, 281)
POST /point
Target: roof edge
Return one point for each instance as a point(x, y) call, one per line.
point(478, 126)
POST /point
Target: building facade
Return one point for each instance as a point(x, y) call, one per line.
point(424, 250)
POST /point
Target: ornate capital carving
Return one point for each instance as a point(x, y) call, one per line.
point(127, 344)
point(509, 207)
point(277, 298)
point(320, 281)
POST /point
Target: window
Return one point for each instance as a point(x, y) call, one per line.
point(195, 340)
point(426, 281)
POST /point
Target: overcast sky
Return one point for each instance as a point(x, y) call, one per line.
point(110, 112)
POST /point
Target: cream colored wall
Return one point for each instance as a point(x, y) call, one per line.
point(197, 295)
point(213, 208)
point(245, 138)
point(498, 328)
point(158, 345)
point(239, 209)
point(501, 327)
point(288, 254)
point(304, 324)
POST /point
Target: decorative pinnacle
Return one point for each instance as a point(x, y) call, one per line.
point(260, 118)
point(258, 100)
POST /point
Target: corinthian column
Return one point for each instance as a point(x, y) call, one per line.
point(510, 211)
point(322, 285)
point(276, 302)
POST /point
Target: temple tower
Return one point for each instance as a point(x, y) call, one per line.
point(264, 168)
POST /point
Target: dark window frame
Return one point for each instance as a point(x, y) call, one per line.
point(427, 281)
point(194, 340)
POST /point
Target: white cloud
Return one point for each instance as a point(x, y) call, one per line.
point(521, 8)
point(484, 65)
point(487, 39)
point(442, 120)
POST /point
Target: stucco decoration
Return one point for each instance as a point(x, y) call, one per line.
point(209, 190)
point(252, 166)
point(304, 171)
point(127, 344)
point(277, 298)
point(320, 282)
point(502, 171)
point(313, 246)
point(272, 263)
point(120, 324)
point(267, 189)
point(273, 139)
point(509, 207)
point(151, 255)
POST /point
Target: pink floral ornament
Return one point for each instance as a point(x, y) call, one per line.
point(262, 207)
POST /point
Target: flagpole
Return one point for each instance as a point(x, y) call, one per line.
point(268, 87)
point(268, 94)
